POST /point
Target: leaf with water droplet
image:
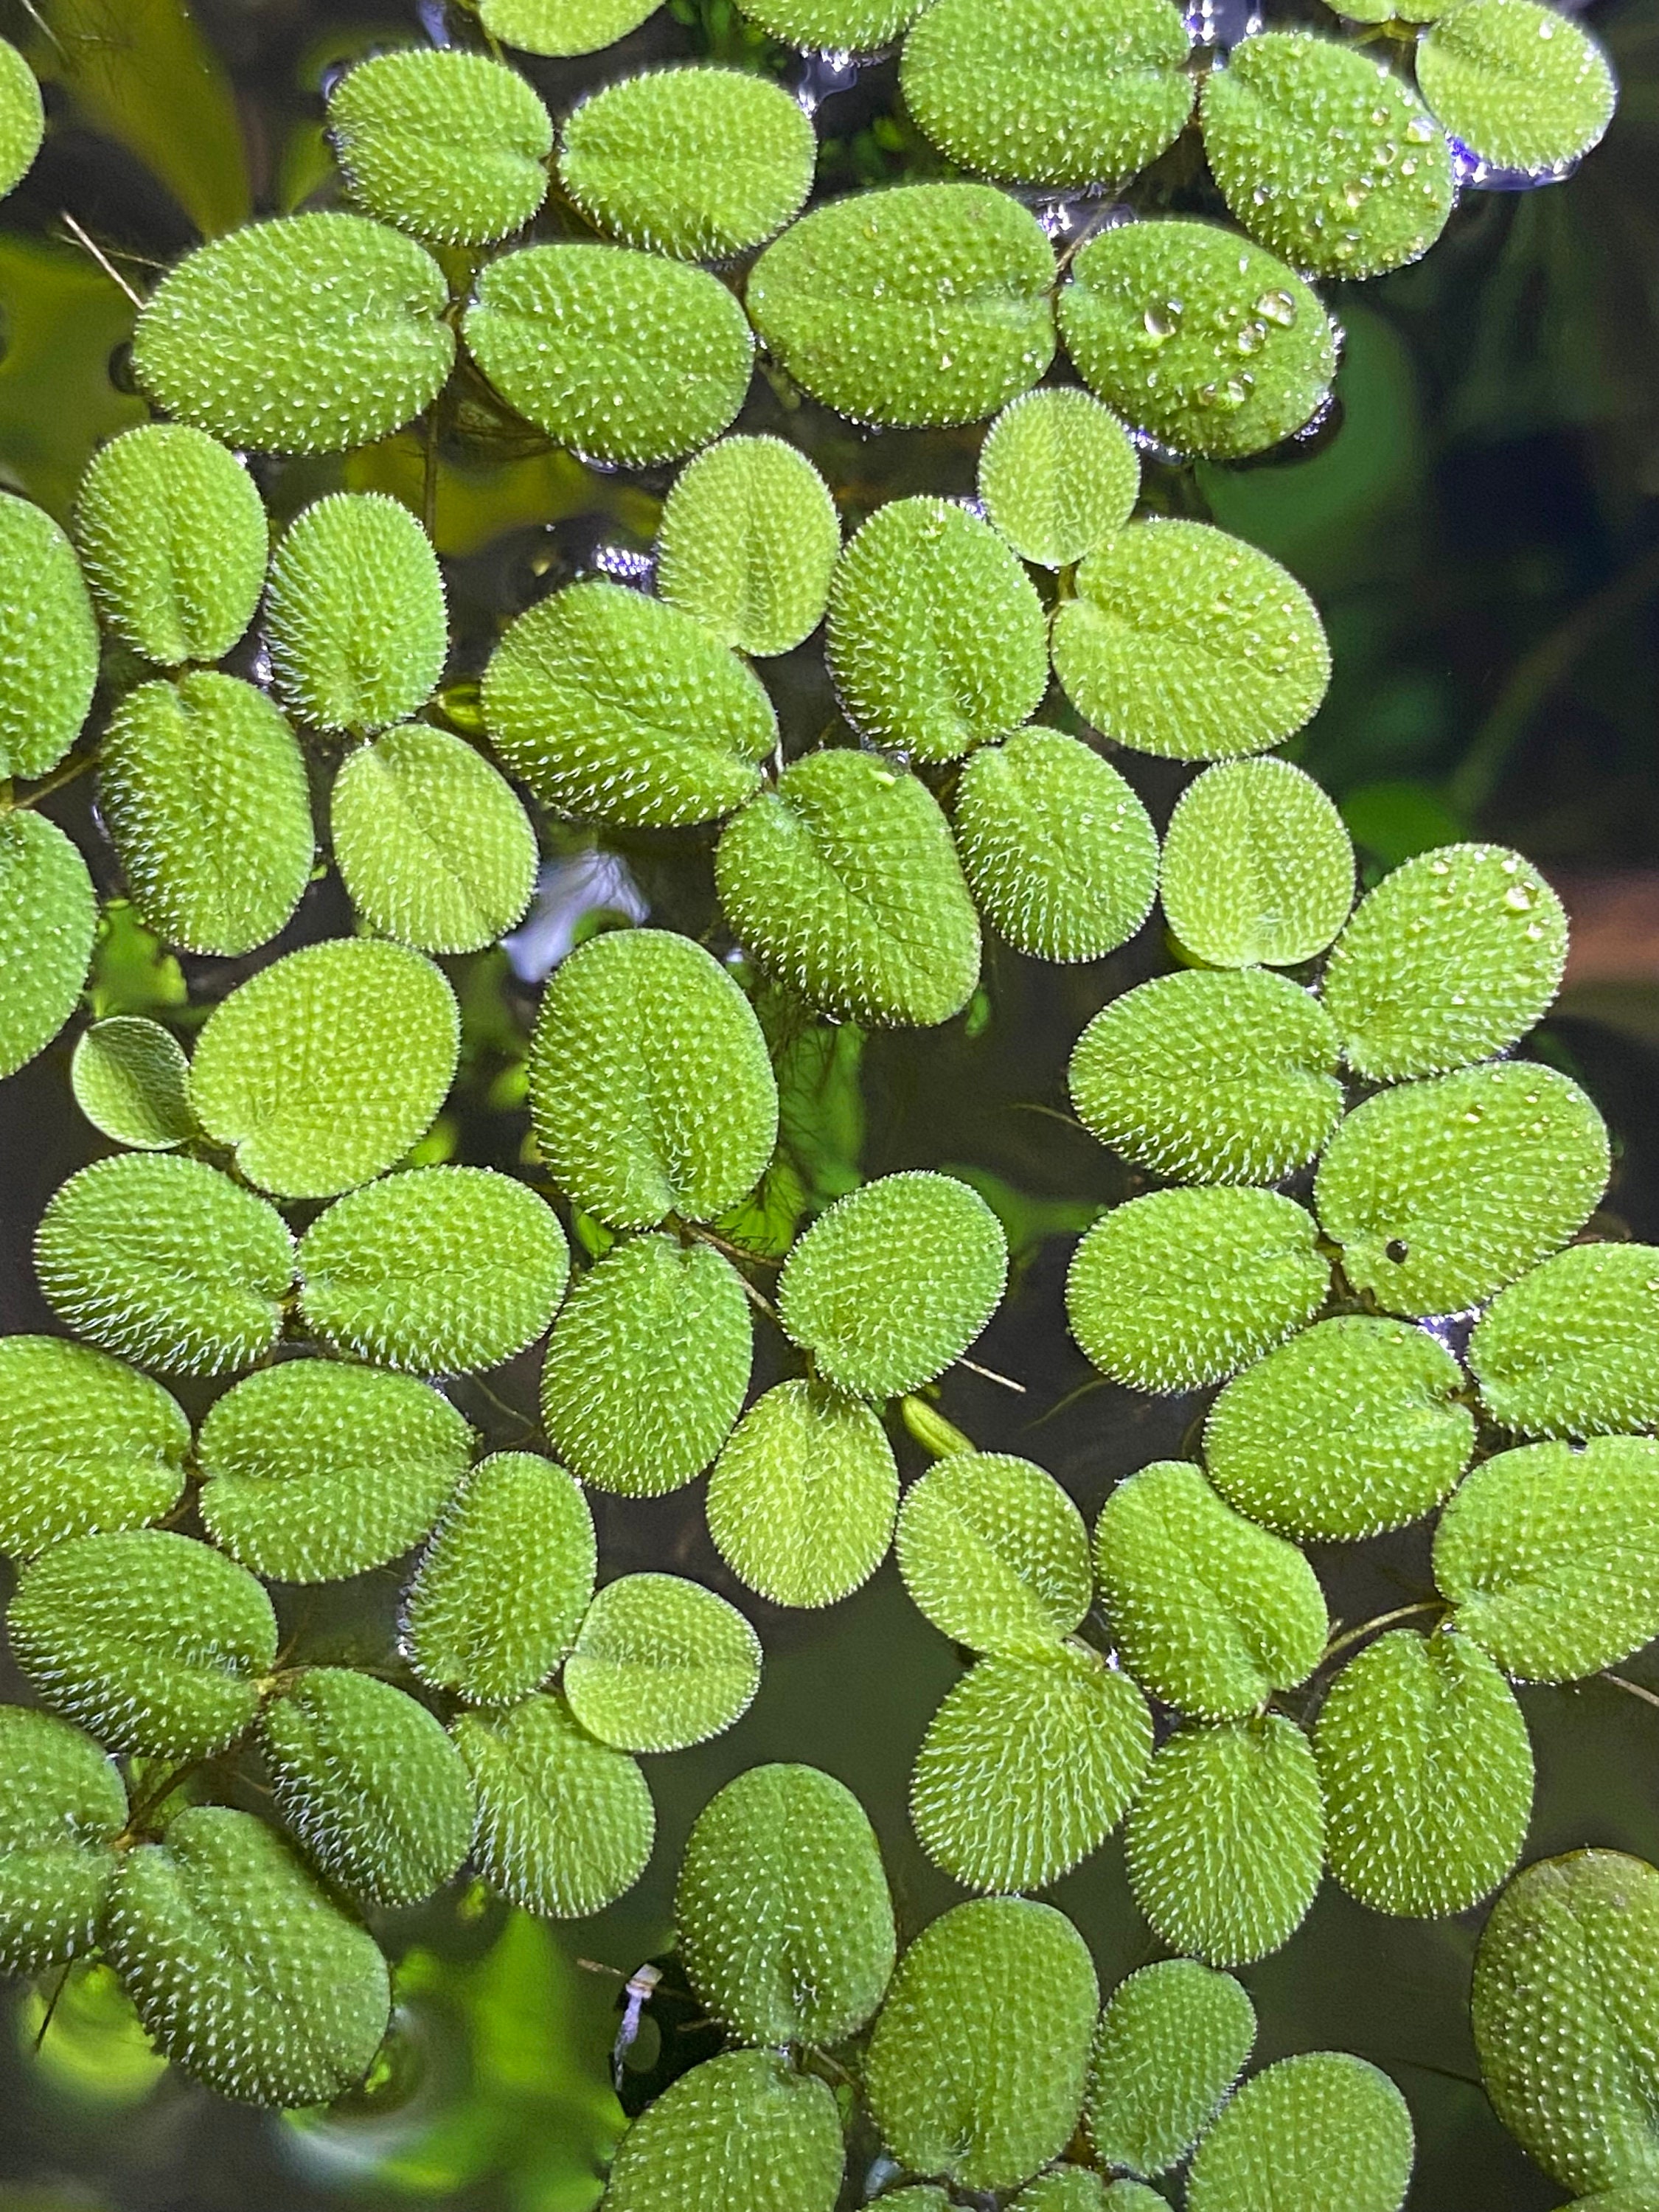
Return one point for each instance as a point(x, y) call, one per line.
point(935, 641)
point(313, 1470)
point(784, 1920)
point(1184, 641)
point(1058, 473)
point(1258, 866)
point(1551, 1556)
point(1041, 94)
point(1326, 157)
point(619, 708)
point(802, 1498)
point(922, 305)
point(1428, 1775)
point(1209, 1076)
point(976, 2067)
point(619, 356)
point(565, 1823)
point(1321, 2132)
point(1028, 1766)
point(1206, 341)
point(646, 1370)
point(166, 1261)
point(1352, 1428)
point(152, 1641)
point(1226, 1840)
point(1182, 1287)
point(1566, 1991)
point(450, 145)
point(1523, 87)
point(506, 1582)
point(748, 541)
point(1572, 1348)
point(1173, 2039)
point(1441, 1192)
point(62, 1806)
point(695, 160)
point(305, 335)
point(130, 1079)
point(661, 1662)
point(173, 538)
point(844, 883)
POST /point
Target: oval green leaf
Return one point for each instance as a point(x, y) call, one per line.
point(131, 1080)
point(1573, 1347)
point(1258, 866)
point(48, 912)
point(355, 613)
point(802, 1498)
point(995, 1554)
point(1058, 474)
point(87, 1445)
point(48, 642)
point(1321, 2132)
point(565, 1823)
point(661, 1662)
point(450, 145)
point(62, 1805)
point(1172, 2041)
point(748, 541)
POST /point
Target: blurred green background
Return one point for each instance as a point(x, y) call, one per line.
point(1479, 523)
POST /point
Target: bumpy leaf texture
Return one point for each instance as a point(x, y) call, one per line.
point(802, 1498)
point(48, 912)
point(994, 1551)
point(131, 1080)
point(748, 541)
point(742, 2129)
point(1058, 473)
point(565, 1823)
point(563, 26)
point(450, 145)
point(62, 1805)
point(1258, 866)
point(87, 1445)
point(1321, 2132)
point(22, 118)
point(1573, 1347)
point(661, 1662)
point(48, 642)
point(1521, 86)
point(355, 613)
point(1173, 2039)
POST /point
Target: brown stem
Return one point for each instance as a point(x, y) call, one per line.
point(1637, 1690)
point(78, 766)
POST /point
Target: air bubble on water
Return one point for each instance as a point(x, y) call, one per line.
point(823, 75)
point(1221, 25)
point(568, 891)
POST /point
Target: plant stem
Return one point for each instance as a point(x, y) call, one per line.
point(1383, 1620)
point(990, 1375)
point(89, 245)
point(78, 766)
point(1636, 1689)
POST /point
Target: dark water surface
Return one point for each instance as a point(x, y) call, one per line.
point(1478, 525)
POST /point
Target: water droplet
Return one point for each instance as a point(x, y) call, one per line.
point(1518, 898)
point(1162, 321)
point(1420, 131)
point(1356, 194)
point(1251, 338)
point(1277, 308)
point(1534, 931)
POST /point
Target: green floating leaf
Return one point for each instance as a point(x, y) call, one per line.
point(1226, 1840)
point(1211, 1614)
point(563, 26)
point(923, 2196)
point(893, 1282)
point(1040, 94)
point(48, 642)
point(243, 1972)
point(173, 538)
point(1172, 2041)
point(620, 355)
point(849, 27)
point(1573, 1347)
point(22, 118)
point(1452, 958)
point(505, 1582)
point(1208, 1076)
point(921, 305)
point(784, 1922)
point(1428, 1775)
point(748, 541)
point(1064, 2189)
point(322, 1069)
point(1350, 1429)
point(48, 912)
point(166, 1261)
point(842, 880)
point(62, 1806)
point(130, 1079)
point(306, 335)
point(661, 1662)
point(995, 1554)
point(1258, 867)
point(204, 788)
point(87, 1444)
point(1058, 473)
point(1186, 642)
point(369, 1783)
point(647, 1366)
point(976, 2067)
point(618, 707)
point(355, 613)
point(1566, 1991)
point(1325, 155)
point(443, 1270)
point(313, 1470)
point(742, 2129)
point(803, 1495)
point(431, 842)
point(448, 144)
point(1027, 1766)
point(1321, 2132)
point(151, 1640)
point(1551, 1556)
point(1182, 1287)
point(1128, 2196)
point(1520, 86)
point(695, 162)
point(1440, 1193)
point(936, 639)
point(651, 1090)
point(1199, 338)
point(1058, 850)
point(565, 1823)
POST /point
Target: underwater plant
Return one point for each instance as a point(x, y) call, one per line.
point(279, 1288)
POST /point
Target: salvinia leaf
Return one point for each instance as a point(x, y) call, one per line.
point(62, 1806)
point(661, 1662)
